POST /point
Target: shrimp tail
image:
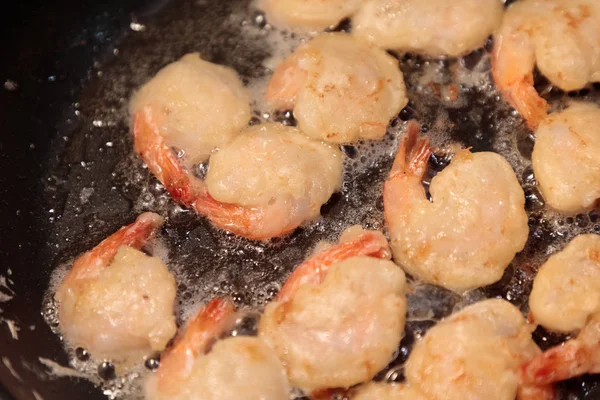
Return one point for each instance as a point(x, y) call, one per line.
point(198, 337)
point(227, 216)
point(512, 70)
point(207, 325)
point(251, 223)
point(160, 159)
point(315, 269)
point(413, 154)
point(285, 84)
point(526, 100)
point(571, 359)
point(135, 235)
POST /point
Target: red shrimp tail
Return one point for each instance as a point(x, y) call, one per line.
point(559, 363)
point(224, 215)
point(160, 159)
point(135, 235)
point(526, 100)
point(413, 154)
point(516, 84)
point(235, 219)
point(248, 222)
point(201, 332)
point(181, 191)
point(315, 269)
point(208, 324)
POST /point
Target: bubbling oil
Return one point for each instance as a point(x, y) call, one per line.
point(102, 185)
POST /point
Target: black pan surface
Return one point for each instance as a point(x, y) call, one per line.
point(69, 177)
point(48, 49)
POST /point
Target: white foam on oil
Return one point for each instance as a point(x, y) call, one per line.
point(127, 383)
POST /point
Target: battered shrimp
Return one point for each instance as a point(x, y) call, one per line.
point(265, 183)
point(200, 367)
point(566, 158)
point(307, 15)
point(566, 290)
point(561, 36)
point(341, 88)
point(471, 229)
point(283, 169)
point(117, 302)
point(566, 298)
point(433, 27)
point(340, 316)
point(198, 106)
point(476, 353)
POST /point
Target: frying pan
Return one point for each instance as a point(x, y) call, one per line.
point(69, 177)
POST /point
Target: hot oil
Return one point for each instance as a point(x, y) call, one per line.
point(98, 184)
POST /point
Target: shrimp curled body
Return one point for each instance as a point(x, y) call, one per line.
point(117, 302)
point(199, 366)
point(201, 106)
point(561, 37)
point(340, 317)
point(476, 353)
point(341, 88)
point(433, 27)
point(566, 298)
point(566, 158)
point(471, 229)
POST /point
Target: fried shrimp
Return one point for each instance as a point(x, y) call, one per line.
point(566, 158)
point(117, 302)
point(561, 37)
point(566, 298)
point(284, 179)
point(283, 170)
point(566, 290)
point(341, 88)
point(471, 229)
point(307, 15)
point(197, 106)
point(476, 354)
point(435, 28)
point(340, 316)
point(201, 367)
